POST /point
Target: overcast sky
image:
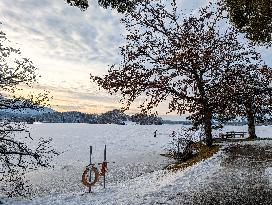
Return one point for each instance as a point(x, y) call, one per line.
point(67, 45)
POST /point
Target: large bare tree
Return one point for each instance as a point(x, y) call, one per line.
point(179, 58)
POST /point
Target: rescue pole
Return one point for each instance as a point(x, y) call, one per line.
point(90, 176)
point(105, 159)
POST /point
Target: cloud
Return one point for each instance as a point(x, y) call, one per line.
point(63, 32)
point(67, 45)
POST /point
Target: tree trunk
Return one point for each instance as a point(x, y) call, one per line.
point(251, 123)
point(208, 128)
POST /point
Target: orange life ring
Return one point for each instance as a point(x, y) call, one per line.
point(85, 181)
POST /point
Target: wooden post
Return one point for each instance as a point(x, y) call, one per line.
point(90, 176)
point(178, 149)
point(105, 159)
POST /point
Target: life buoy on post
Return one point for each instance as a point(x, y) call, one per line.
point(85, 181)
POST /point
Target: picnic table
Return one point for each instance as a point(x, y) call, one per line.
point(232, 134)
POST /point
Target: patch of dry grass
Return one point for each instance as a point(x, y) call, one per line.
point(204, 152)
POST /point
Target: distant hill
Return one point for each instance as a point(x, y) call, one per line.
point(47, 115)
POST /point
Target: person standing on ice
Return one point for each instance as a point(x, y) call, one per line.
point(155, 133)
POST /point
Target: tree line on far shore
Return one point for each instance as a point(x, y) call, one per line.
point(115, 116)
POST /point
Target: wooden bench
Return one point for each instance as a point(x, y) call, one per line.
point(232, 135)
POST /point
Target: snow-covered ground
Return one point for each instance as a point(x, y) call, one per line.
point(136, 177)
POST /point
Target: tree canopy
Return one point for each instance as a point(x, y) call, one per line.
point(252, 17)
point(82, 4)
point(121, 6)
